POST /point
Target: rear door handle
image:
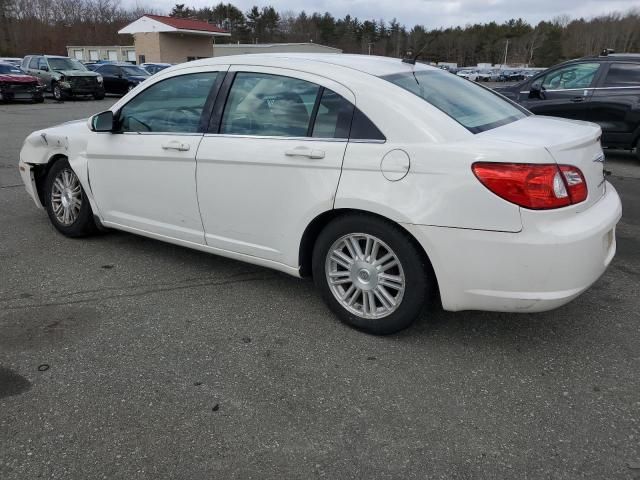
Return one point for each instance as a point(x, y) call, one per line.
point(577, 99)
point(176, 145)
point(304, 152)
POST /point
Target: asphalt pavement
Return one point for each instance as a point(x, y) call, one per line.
point(124, 357)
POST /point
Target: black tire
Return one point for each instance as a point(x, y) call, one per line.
point(419, 282)
point(38, 100)
point(57, 92)
point(638, 151)
point(98, 96)
point(83, 224)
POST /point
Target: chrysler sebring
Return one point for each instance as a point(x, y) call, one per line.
point(392, 185)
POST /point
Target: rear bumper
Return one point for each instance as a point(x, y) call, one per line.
point(556, 257)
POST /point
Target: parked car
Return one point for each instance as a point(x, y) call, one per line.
point(64, 76)
point(483, 76)
point(154, 68)
point(511, 76)
point(603, 89)
point(466, 73)
point(13, 60)
point(121, 77)
point(431, 183)
point(16, 85)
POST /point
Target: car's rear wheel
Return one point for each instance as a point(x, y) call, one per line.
point(66, 202)
point(371, 273)
point(98, 96)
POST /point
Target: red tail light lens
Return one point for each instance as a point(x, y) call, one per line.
point(534, 186)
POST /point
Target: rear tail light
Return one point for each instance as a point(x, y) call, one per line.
point(535, 186)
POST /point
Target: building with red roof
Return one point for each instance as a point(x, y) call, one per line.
point(172, 40)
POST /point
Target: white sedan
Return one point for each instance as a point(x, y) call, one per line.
point(386, 182)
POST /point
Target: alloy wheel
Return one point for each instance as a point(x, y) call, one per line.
point(365, 275)
point(66, 197)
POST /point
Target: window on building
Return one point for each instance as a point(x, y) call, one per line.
point(142, 59)
point(93, 55)
point(78, 54)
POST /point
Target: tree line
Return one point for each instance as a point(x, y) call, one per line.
point(34, 26)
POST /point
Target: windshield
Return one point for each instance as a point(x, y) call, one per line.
point(65, 64)
point(135, 71)
point(10, 69)
point(476, 108)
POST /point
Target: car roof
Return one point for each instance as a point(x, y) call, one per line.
point(318, 62)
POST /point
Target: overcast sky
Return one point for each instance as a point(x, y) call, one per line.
point(431, 13)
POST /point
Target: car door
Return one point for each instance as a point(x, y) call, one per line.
point(563, 92)
point(42, 70)
point(615, 104)
point(266, 168)
point(142, 176)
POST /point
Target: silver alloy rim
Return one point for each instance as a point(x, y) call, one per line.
point(365, 275)
point(66, 197)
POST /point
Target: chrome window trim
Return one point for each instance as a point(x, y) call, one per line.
point(175, 134)
point(275, 137)
point(587, 88)
point(298, 139)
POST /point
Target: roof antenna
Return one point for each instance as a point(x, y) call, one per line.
point(410, 58)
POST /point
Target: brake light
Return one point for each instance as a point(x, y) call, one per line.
point(534, 186)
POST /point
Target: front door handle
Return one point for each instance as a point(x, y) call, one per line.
point(176, 145)
point(577, 99)
point(304, 152)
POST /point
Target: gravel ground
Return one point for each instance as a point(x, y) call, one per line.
point(124, 357)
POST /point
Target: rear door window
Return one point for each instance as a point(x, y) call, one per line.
point(623, 75)
point(269, 105)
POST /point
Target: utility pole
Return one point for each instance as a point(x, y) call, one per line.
point(369, 45)
point(506, 50)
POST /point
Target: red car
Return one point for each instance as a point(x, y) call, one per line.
point(16, 85)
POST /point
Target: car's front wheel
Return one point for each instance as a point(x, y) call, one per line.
point(371, 273)
point(66, 201)
point(57, 92)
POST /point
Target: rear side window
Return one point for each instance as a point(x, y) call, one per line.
point(475, 108)
point(333, 117)
point(623, 75)
point(363, 129)
point(172, 105)
point(34, 63)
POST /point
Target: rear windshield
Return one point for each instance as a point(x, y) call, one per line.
point(476, 108)
point(135, 71)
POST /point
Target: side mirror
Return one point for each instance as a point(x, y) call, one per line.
point(536, 90)
point(102, 122)
point(44, 68)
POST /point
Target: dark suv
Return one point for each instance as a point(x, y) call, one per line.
point(604, 90)
point(120, 77)
point(64, 76)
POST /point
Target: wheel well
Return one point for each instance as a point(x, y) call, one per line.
point(317, 225)
point(40, 172)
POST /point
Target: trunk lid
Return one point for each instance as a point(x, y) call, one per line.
point(569, 142)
